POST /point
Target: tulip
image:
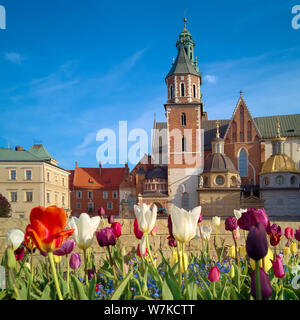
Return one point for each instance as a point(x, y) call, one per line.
point(84, 227)
point(206, 231)
point(231, 224)
point(278, 267)
point(116, 226)
point(101, 212)
point(139, 251)
point(91, 273)
point(110, 219)
point(242, 251)
point(256, 244)
point(297, 235)
point(57, 259)
point(67, 247)
point(138, 233)
point(238, 213)
point(293, 248)
point(232, 272)
point(106, 237)
point(19, 253)
point(264, 284)
point(214, 274)
point(236, 233)
point(200, 218)
point(14, 239)
point(170, 226)
point(275, 234)
point(172, 242)
point(174, 259)
point(216, 221)
point(264, 263)
point(289, 233)
point(29, 242)
point(251, 217)
point(47, 228)
point(286, 251)
point(154, 231)
point(75, 261)
point(231, 252)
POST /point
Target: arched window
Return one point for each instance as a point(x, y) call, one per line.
point(183, 144)
point(194, 91)
point(182, 89)
point(243, 163)
point(171, 92)
point(183, 119)
point(249, 130)
point(185, 201)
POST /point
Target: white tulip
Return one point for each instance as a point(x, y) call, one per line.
point(184, 223)
point(238, 213)
point(146, 217)
point(14, 238)
point(206, 231)
point(216, 221)
point(84, 229)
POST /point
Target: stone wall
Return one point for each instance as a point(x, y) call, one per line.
point(129, 241)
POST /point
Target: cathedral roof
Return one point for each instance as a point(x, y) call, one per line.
point(183, 65)
point(218, 162)
point(279, 163)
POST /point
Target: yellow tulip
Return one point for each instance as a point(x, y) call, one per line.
point(242, 251)
point(286, 251)
point(231, 252)
point(174, 259)
point(57, 259)
point(267, 263)
point(293, 248)
point(232, 272)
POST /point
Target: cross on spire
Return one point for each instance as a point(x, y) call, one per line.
point(218, 129)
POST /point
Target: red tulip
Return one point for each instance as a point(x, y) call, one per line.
point(19, 253)
point(139, 252)
point(28, 241)
point(172, 242)
point(47, 228)
point(297, 235)
point(106, 237)
point(289, 233)
point(116, 226)
point(278, 267)
point(214, 274)
point(138, 233)
point(275, 234)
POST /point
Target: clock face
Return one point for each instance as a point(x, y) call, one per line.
point(279, 180)
point(220, 180)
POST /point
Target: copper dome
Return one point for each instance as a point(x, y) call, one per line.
point(217, 162)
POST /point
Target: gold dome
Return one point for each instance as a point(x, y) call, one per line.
point(279, 163)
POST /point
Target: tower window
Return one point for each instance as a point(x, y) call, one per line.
point(185, 201)
point(183, 119)
point(182, 89)
point(171, 92)
point(243, 163)
point(194, 91)
point(183, 144)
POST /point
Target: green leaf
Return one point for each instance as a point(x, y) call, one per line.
point(166, 292)
point(117, 294)
point(289, 294)
point(92, 288)
point(143, 298)
point(79, 288)
point(174, 287)
point(46, 293)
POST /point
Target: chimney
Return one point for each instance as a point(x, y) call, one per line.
point(126, 169)
point(76, 165)
point(100, 168)
point(19, 148)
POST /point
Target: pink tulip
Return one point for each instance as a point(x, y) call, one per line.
point(116, 226)
point(154, 231)
point(289, 233)
point(214, 274)
point(278, 267)
point(236, 233)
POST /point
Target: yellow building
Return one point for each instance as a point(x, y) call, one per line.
point(32, 178)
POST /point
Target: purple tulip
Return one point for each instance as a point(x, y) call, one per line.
point(297, 234)
point(244, 222)
point(101, 212)
point(231, 224)
point(19, 253)
point(251, 217)
point(66, 248)
point(75, 261)
point(91, 273)
point(110, 219)
point(106, 237)
point(200, 218)
point(45, 254)
point(256, 243)
point(170, 226)
point(278, 267)
point(266, 288)
point(172, 242)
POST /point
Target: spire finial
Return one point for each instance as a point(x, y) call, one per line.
point(173, 60)
point(241, 93)
point(218, 129)
point(278, 126)
point(184, 19)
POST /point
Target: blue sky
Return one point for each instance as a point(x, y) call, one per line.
point(70, 68)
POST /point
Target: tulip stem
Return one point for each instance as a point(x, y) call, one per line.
point(257, 281)
point(85, 267)
point(180, 265)
point(214, 290)
point(182, 254)
point(236, 250)
point(149, 250)
point(68, 273)
point(15, 284)
point(112, 264)
point(50, 255)
point(31, 266)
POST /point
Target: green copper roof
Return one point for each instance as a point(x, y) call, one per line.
point(183, 65)
point(40, 151)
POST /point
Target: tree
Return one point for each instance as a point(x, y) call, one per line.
point(5, 207)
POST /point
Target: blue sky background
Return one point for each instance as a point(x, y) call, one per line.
point(70, 68)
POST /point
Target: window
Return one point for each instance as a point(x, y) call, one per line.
point(171, 92)
point(194, 91)
point(78, 205)
point(21, 216)
point(182, 89)
point(233, 181)
point(78, 195)
point(220, 180)
point(109, 205)
point(13, 175)
point(63, 200)
point(293, 180)
point(105, 195)
point(243, 163)
point(183, 119)
point(115, 195)
point(266, 181)
point(55, 197)
point(48, 197)
point(28, 174)
point(90, 206)
point(90, 195)
point(63, 181)
point(185, 201)
point(13, 196)
point(56, 177)
point(279, 180)
point(29, 196)
point(48, 176)
point(183, 144)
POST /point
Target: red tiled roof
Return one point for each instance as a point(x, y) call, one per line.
point(90, 178)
